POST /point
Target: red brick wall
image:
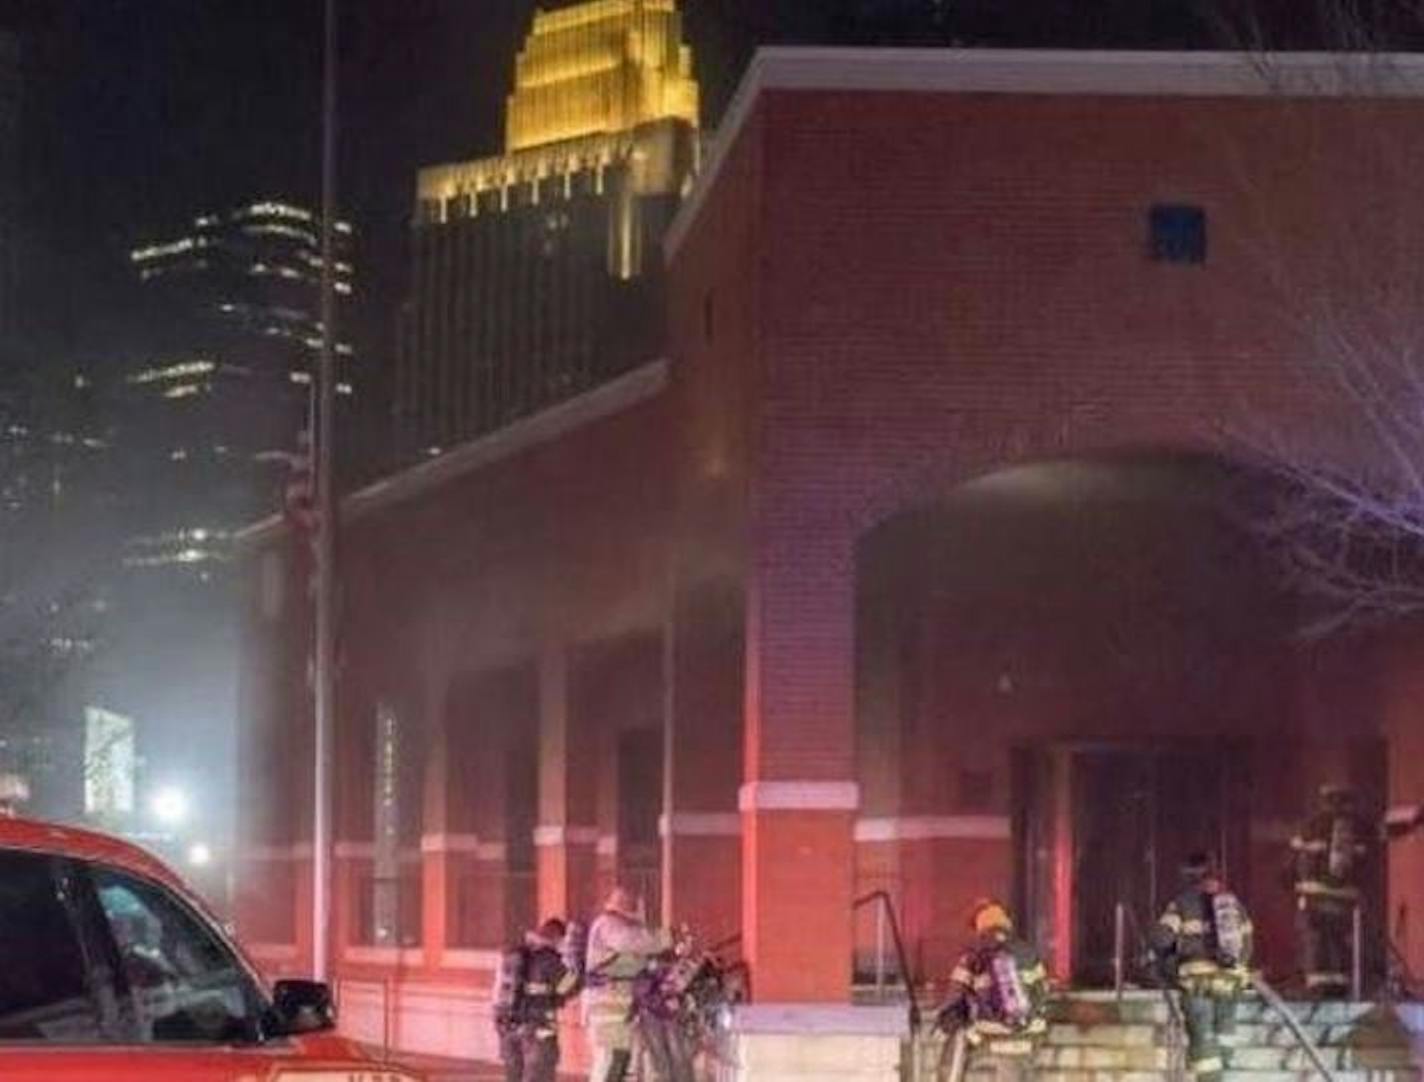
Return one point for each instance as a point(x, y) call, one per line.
point(882, 296)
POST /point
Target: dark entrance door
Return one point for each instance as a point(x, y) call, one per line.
point(1111, 824)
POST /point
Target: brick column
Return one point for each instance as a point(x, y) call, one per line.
point(701, 828)
point(567, 835)
point(799, 799)
point(609, 842)
point(437, 887)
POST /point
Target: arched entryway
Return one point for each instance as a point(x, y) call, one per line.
point(1069, 675)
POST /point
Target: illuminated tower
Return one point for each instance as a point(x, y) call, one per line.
point(536, 274)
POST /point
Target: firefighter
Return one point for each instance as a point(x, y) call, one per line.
point(533, 984)
point(1330, 854)
point(621, 948)
point(1202, 943)
point(661, 1010)
point(998, 992)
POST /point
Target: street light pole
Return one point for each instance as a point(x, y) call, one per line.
point(324, 390)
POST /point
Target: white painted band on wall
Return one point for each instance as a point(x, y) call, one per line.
point(469, 845)
point(1403, 815)
point(799, 796)
point(551, 834)
point(299, 851)
point(917, 828)
point(384, 956)
point(700, 825)
point(460, 958)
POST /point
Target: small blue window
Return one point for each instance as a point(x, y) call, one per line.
point(1177, 233)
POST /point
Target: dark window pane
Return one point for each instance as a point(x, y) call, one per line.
point(44, 994)
point(1178, 233)
point(185, 984)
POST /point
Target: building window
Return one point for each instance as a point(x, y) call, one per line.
point(1177, 233)
point(385, 870)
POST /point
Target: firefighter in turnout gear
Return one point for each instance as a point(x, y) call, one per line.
point(621, 948)
point(533, 984)
point(998, 992)
point(1203, 943)
point(1330, 856)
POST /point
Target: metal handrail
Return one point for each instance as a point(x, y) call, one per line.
point(1399, 976)
point(1124, 922)
point(888, 914)
point(1262, 989)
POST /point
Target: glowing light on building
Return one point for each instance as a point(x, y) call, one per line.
point(159, 251)
point(606, 66)
point(181, 370)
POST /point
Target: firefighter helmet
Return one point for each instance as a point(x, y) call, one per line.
point(1199, 865)
point(990, 915)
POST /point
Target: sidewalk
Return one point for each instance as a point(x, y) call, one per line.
point(460, 1070)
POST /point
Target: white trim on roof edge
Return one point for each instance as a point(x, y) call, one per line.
point(1117, 73)
point(615, 396)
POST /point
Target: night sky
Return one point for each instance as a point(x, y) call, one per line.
point(142, 113)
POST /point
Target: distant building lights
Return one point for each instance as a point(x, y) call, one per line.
point(182, 370)
point(277, 210)
point(159, 251)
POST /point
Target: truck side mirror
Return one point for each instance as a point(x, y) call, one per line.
point(303, 1007)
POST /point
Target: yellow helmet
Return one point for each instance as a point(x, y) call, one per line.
point(991, 916)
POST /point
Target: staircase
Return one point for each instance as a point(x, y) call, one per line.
point(1095, 1037)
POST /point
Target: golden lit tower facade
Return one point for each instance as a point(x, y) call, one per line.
point(536, 274)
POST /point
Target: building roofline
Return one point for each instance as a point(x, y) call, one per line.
point(606, 400)
point(1047, 72)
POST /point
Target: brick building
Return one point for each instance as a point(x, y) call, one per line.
point(916, 565)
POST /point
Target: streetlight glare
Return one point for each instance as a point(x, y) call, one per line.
point(199, 855)
point(170, 805)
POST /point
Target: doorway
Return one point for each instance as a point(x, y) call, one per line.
point(1099, 825)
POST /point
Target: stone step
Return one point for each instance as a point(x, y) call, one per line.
point(1110, 1034)
point(1336, 1058)
point(1162, 1057)
point(1251, 1034)
point(987, 1073)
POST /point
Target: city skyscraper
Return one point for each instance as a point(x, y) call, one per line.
point(232, 328)
point(536, 274)
point(9, 179)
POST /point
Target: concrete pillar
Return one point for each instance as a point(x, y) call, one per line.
point(703, 655)
point(470, 845)
point(566, 836)
point(437, 883)
point(607, 850)
point(799, 798)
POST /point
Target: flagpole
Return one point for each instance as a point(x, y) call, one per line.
point(324, 388)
